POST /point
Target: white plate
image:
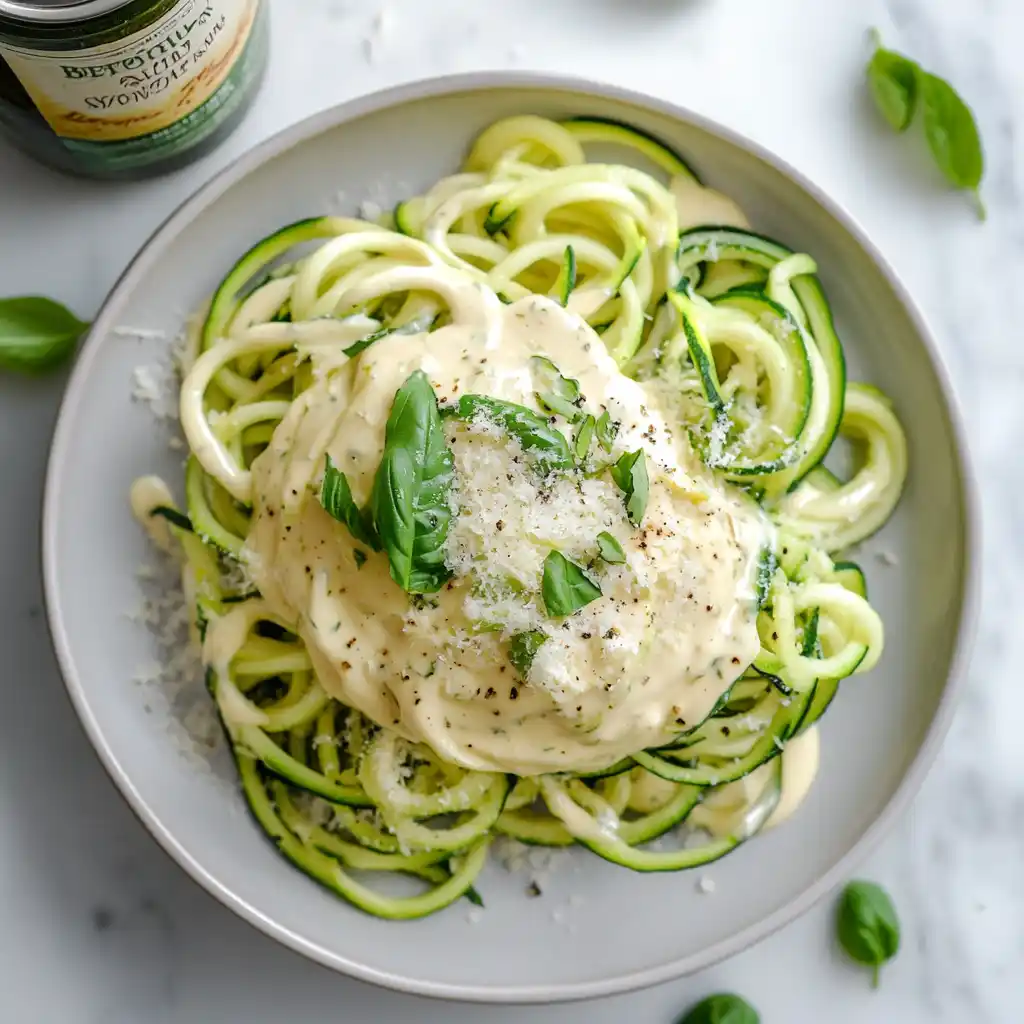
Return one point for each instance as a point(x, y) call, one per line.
point(597, 929)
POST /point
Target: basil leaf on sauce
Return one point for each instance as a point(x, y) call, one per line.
point(523, 648)
point(722, 1008)
point(867, 925)
point(36, 334)
point(583, 437)
point(630, 473)
point(336, 498)
point(609, 549)
point(410, 492)
point(539, 438)
point(558, 395)
point(566, 588)
point(606, 430)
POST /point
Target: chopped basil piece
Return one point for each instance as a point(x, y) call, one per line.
point(607, 430)
point(583, 437)
point(630, 473)
point(610, 549)
point(336, 498)
point(558, 395)
point(566, 588)
point(543, 442)
point(523, 647)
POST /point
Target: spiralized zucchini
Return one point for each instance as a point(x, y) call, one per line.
point(734, 330)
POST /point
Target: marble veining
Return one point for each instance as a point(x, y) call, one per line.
point(100, 927)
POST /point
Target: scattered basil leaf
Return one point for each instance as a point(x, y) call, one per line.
point(583, 437)
point(174, 517)
point(609, 549)
point(523, 648)
point(723, 1008)
point(565, 283)
point(540, 439)
point(607, 430)
point(360, 556)
point(893, 82)
point(867, 925)
point(900, 87)
point(630, 473)
point(410, 492)
point(566, 588)
point(36, 334)
point(952, 133)
point(336, 498)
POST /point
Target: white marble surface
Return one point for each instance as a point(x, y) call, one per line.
point(99, 927)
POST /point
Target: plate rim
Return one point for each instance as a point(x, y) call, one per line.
point(331, 118)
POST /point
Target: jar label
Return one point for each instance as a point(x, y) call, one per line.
point(145, 83)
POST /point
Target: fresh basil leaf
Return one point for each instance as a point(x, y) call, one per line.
point(174, 517)
point(893, 82)
point(723, 1008)
point(336, 498)
point(36, 333)
point(474, 897)
point(523, 648)
point(867, 925)
point(555, 406)
point(630, 473)
point(565, 283)
point(952, 133)
point(607, 430)
point(557, 395)
point(583, 437)
point(609, 549)
point(411, 490)
point(566, 588)
point(900, 87)
point(540, 439)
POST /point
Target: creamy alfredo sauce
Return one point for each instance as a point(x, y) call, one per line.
point(673, 629)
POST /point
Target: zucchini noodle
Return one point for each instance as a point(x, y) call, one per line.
point(729, 330)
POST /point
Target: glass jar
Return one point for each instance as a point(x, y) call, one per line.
point(127, 89)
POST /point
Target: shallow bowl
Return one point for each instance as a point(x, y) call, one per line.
point(597, 929)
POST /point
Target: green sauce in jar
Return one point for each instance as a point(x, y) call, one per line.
point(127, 88)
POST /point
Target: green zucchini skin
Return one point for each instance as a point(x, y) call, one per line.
point(608, 130)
